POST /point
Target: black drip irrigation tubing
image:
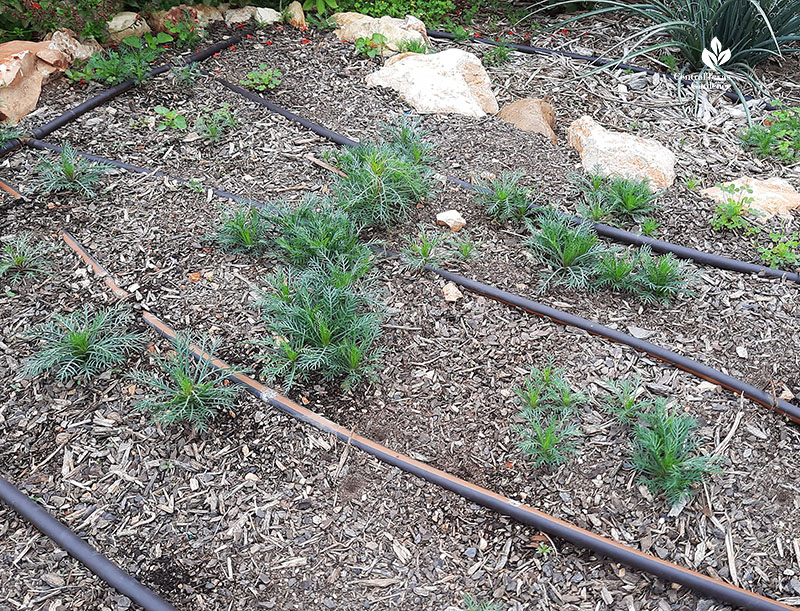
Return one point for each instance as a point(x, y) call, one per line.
point(619, 235)
point(104, 96)
point(595, 61)
point(76, 547)
point(525, 514)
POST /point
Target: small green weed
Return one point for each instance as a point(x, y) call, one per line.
point(692, 183)
point(84, 343)
point(779, 136)
point(262, 79)
point(732, 213)
point(424, 249)
point(171, 119)
point(412, 46)
point(499, 55)
point(371, 47)
point(465, 248)
point(504, 199)
point(24, 256)
point(243, 229)
point(186, 33)
point(8, 132)
point(670, 61)
point(407, 139)
point(623, 402)
point(783, 253)
point(69, 173)
point(664, 452)
point(187, 389)
point(131, 61)
point(186, 76)
point(544, 550)
point(213, 125)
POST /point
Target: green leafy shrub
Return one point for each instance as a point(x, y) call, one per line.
point(320, 323)
point(381, 186)
point(504, 199)
point(779, 136)
point(262, 79)
point(372, 46)
point(213, 125)
point(83, 344)
point(131, 61)
point(187, 389)
point(732, 213)
point(548, 405)
point(616, 270)
point(661, 278)
point(572, 250)
point(322, 6)
point(499, 55)
point(318, 230)
point(665, 453)
point(186, 33)
point(24, 256)
point(243, 228)
point(784, 252)
point(69, 173)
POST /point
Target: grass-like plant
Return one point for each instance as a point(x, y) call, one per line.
point(318, 230)
point(381, 186)
point(732, 213)
point(412, 46)
point(548, 405)
point(505, 199)
point(424, 248)
point(615, 269)
point(213, 125)
point(187, 389)
point(572, 250)
point(320, 324)
point(499, 54)
point(471, 603)
point(243, 228)
point(778, 136)
point(187, 75)
point(623, 403)
point(661, 278)
point(69, 173)
point(24, 256)
point(465, 248)
point(665, 452)
point(409, 140)
point(83, 343)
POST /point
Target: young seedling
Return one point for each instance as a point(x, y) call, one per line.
point(381, 187)
point(320, 324)
point(615, 270)
point(262, 79)
point(544, 550)
point(213, 125)
point(661, 278)
point(318, 230)
point(186, 76)
point(84, 343)
point(69, 173)
point(465, 248)
point(650, 227)
point(732, 213)
point(424, 249)
point(407, 139)
point(783, 253)
point(504, 199)
point(243, 229)
point(471, 603)
point(623, 402)
point(499, 55)
point(24, 256)
point(8, 132)
point(172, 119)
point(187, 389)
point(413, 46)
point(571, 250)
point(665, 453)
point(630, 199)
point(372, 46)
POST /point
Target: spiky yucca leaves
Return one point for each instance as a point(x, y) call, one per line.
point(243, 228)
point(24, 256)
point(572, 250)
point(665, 453)
point(381, 186)
point(504, 198)
point(318, 230)
point(83, 343)
point(661, 278)
point(187, 389)
point(69, 173)
point(548, 405)
point(407, 139)
point(321, 322)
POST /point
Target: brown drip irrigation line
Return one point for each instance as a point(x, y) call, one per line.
point(580, 537)
point(13, 192)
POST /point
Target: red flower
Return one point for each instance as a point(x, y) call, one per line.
point(565, 31)
point(232, 47)
point(278, 27)
point(305, 41)
point(36, 5)
point(249, 35)
point(511, 32)
point(216, 54)
point(269, 43)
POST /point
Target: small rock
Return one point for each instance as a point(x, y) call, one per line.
point(774, 196)
point(239, 15)
point(53, 580)
point(451, 293)
point(452, 81)
point(267, 16)
point(611, 153)
point(126, 24)
point(451, 219)
point(295, 16)
point(531, 115)
point(470, 552)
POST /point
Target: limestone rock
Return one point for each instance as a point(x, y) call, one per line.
point(160, 20)
point(207, 14)
point(295, 15)
point(774, 196)
point(268, 16)
point(65, 41)
point(611, 153)
point(451, 219)
point(453, 81)
point(239, 15)
point(531, 115)
point(353, 26)
point(451, 293)
point(126, 24)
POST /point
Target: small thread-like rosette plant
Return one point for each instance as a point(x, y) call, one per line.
point(83, 344)
point(243, 228)
point(69, 172)
point(505, 200)
point(24, 256)
point(187, 389)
